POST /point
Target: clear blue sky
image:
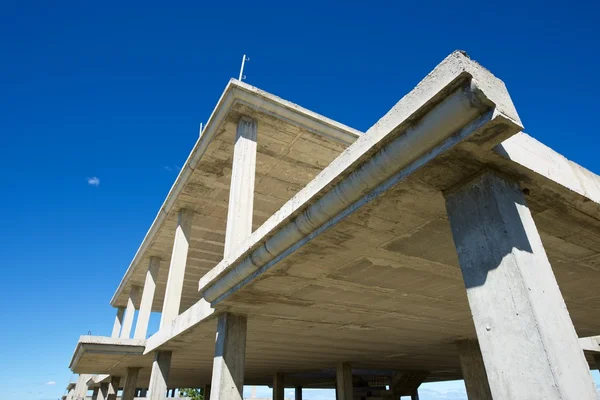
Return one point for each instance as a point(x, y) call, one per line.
point(116, 90)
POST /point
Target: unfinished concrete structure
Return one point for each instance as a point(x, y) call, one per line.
point(443, 243)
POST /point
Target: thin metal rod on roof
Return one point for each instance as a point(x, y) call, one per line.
point(244, 59)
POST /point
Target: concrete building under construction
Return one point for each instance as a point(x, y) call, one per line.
point(294, 251)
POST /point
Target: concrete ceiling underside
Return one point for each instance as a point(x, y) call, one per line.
point(383, 289)
point(288, 157)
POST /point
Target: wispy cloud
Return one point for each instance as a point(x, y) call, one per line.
point(93, 181)
point(51, 383)
point(172, 168)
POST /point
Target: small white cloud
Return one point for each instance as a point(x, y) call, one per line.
point(51, 383)
point(93, 181)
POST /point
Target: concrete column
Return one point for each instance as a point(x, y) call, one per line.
point(473, 370)
point(95, 393)
point(343, 381)
point(230, 356)
point(130, 312)
point(130, 383)
point(597, 360)
point(415, 395)
point(179, 255)
point(103, 392)
point(113, 387)
point(160, 375)
point(278, 388)
point(118, 322)
point(206, 392)
point(241, 193)
point(81, 387)
point(527, 340)
point(298, 393)
point(141, 327)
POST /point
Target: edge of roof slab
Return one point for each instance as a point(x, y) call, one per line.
point(106, 345)
point(236, 92)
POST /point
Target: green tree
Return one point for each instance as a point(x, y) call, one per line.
point(194, 394)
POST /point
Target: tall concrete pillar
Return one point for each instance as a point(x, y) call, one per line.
point(103, 392)
point(95, 393)
point(278, 388)
point(160, 375)
point(179, 255)
point(343, 381)
point(473, 370)
point(298, 393)
point(230, 356)
point(130, 383)
point(141, 327)
point(118, 322)
point(113, 387)
point(130, 312)
point(206, 392)
point(526, 336)
point(241, 194)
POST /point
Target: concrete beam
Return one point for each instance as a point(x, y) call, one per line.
point(118, 322)
point(230, 356)
point(160, 375)
point(406, 383)
point(591, 343)
point(113, 387)
point(141, 327)
point(343, 382)
point(130, 312)
point(514, 298)
point(241, 193)
point(179, 255)
point(278, 388)
point(130, 383)
point(473, 370)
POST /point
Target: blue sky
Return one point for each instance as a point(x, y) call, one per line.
point(116, 90)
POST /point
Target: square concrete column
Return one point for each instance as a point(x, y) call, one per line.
point(343, 381)
point(526, 336)
point(179, 255)
point(160, 375)
point(206, 392)
point(230, 356)
point(141, 327)
point(298, 393)
point(278, 388)
point(118, 322)
point(241, 193)
point(103, 392)
point(81, 387)
point(95, 393)
point(130, 383)
point(473, 370)
point(134, 295)
point(113, 387)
